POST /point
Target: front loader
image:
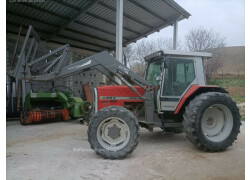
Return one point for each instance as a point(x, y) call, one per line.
point(173, 95)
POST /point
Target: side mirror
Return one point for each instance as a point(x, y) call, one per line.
point(166, 62)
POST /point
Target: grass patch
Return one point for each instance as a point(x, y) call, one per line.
point(239, 99)
point(228, 81)
point(232, 82)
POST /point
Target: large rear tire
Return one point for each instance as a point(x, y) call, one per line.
point(113, 132)
point(212, 121)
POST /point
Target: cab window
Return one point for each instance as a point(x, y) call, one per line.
point(153, 70)
point(178, 76)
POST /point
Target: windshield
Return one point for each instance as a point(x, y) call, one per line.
point(153, 70)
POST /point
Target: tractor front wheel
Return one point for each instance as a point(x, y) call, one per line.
point(212, 121)
point(113, 132)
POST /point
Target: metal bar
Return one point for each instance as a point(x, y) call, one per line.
point(38, 68)
point(125, 15)
point(73, 18)
point(23, 92)
point(14, 56)
point(35, 35)
point(22, 55)
point(129, 85)
point(62, 60)
point(147, 10)
point(52, 64)
point(30, 48)
point(18, 85)
point(175, 35)
point(119, 28)
point(34, 53)
point(48, 55)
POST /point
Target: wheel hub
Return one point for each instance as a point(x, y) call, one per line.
point(210, 121)
point(217, 123)
point(114, 132)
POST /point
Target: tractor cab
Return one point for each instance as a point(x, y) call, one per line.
point(174, 72)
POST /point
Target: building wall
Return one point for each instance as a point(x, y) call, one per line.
point(75, 82)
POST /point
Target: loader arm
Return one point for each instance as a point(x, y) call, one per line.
point(103, 62)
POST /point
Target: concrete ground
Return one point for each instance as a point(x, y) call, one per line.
point(61, 151)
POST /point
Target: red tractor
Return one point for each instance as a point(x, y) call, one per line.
point(175, 99)
point(173, 95)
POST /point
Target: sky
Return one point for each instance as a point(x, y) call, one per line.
point(226, 17)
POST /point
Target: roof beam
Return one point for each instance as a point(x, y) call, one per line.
point(26, 27)
point(93, 15)
point(68, 4)
point(110, 22)
point(163, 25)
point(43, 22)
point(125, 15)
point(89, 35)
point(72, 19)
point(44, 10)
point(79, 47)
point(62, 36)
point(66, 18)
point(31, 18)
point(97, 28)
point(56, 41)
point(82, 41)
point(70, 30)
point(147, 10)
point(175, 8)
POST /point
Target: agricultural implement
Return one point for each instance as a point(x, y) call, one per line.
point(45, 107)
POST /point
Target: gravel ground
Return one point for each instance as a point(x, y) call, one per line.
point(61, 151)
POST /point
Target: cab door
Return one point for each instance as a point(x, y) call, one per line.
point(177, 78)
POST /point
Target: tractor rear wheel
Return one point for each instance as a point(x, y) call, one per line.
point(113, 132)
point(212, 121)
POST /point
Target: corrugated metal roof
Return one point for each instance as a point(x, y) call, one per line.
point(90, 24)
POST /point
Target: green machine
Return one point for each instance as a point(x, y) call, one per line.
point(50, 106)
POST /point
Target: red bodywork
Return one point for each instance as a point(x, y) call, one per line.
point(191, 91)
point(117, 95)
